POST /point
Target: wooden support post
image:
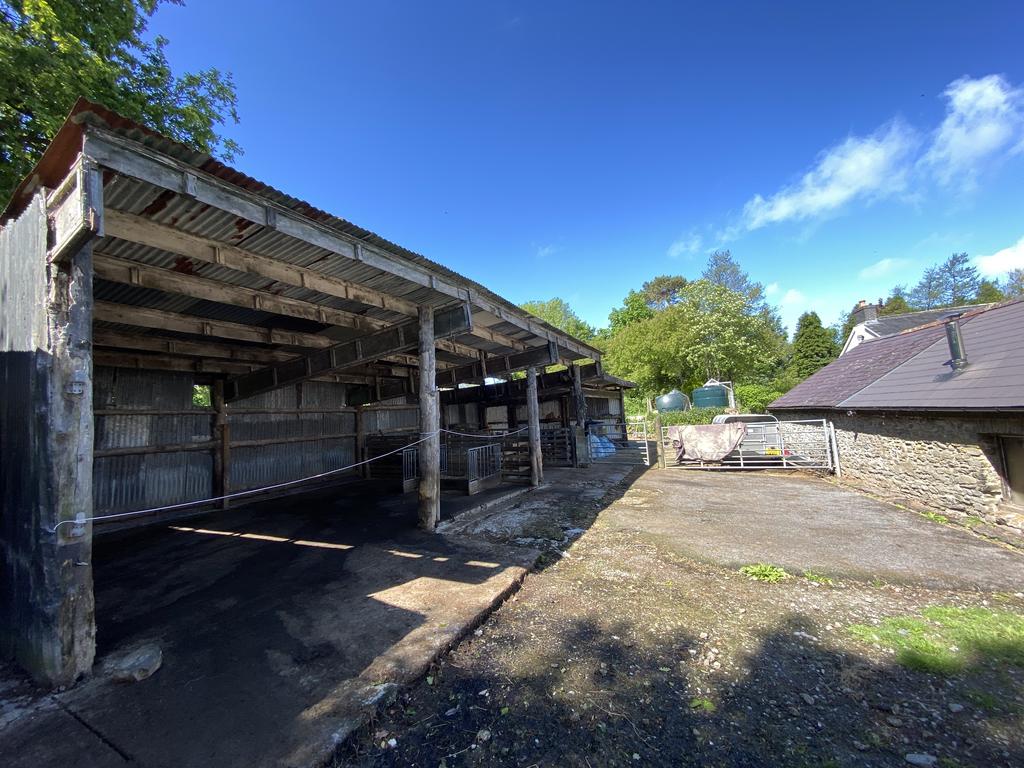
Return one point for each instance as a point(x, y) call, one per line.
point(364, 470)
point(662, 463)
point(222, 451)
point(580, 406)
point(430, 448)
point(47, 613)
point(533, 419)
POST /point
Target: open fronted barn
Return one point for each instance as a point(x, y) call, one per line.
point(178, 338)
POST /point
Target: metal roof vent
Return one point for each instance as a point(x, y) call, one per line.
point(957, 351)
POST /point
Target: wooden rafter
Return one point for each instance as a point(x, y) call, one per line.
point(136, 229)
point(129, 272)
point(447, 322)
point(133, 160)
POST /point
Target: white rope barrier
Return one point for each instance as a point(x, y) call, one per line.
point(265, 488)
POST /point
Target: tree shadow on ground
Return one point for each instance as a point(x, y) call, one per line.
point(605, 698)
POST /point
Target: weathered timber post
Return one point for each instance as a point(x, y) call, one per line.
point(364, 470)
point(47, 613)
point(533, 419)
point(662, 462)
point(580, 406)
point(430, 422)
point(222, 451)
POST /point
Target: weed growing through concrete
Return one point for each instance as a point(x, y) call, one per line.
point(764, 572)
point(944, 640)
point(935, 517)
point(818, 578)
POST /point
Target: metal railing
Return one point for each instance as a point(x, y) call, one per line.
point(799, 444)
point(620, 443)
point(483, 461)
point(410, 464)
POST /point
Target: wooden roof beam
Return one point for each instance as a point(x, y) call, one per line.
point(498, 366)
point(136, 229)
point(136, 161)
point(129, 272)
point(448, 322)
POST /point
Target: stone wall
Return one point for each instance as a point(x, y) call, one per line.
point(945, 462)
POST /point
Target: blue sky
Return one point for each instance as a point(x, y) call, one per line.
point(580, 148)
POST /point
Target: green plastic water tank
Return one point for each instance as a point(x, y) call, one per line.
point(713, 396)
point(671, 401)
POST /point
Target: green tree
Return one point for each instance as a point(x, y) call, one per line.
point(960, 280)
point(722, 269)
point(558, 313)
point(707, 333)
point(53, 51)
point(989, 293)
point(663, 291)
point(896, 304)
point(814, 346)
point(634, 309)
point(929, 292)
point(1013, 285)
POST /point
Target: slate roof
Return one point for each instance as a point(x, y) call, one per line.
point(907, 371)
point(890, 325)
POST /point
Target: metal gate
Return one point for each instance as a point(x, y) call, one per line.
point(799, 444)
point(633, 443)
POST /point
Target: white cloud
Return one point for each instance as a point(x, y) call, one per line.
point(984, 116)
point(866, 167)
point(1002, 261)
point(543, 251)
point(793, 298)
point(687, 245)
point(771, 289)
point(880, 268)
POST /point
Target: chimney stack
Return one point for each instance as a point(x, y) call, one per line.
point(864, 312)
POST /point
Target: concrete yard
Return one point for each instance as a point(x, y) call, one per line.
point(281, 625)
point(801, 522)
point(641, 643)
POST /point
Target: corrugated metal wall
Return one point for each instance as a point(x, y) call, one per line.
point(290, 433)
point(155, 448)
point(391, 419)
point(136, 412)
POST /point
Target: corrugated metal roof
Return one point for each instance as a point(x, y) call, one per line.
point(908, 371)
point(190, 216)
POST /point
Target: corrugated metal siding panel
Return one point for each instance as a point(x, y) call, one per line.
point(324, 394)
point(283, 426)
point(139, 481)
point(128, 389)
point(23, 280)
point(137, 430)
point(131, 483)
point(266, 465)
point(391, 419)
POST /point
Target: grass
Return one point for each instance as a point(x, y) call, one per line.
point(935, 517)
point(973, 520)
point(764, 572)
point(702, 704)
point(945, 640)
point(818, 578)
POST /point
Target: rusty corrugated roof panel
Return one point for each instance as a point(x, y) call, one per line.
point(68, 142)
